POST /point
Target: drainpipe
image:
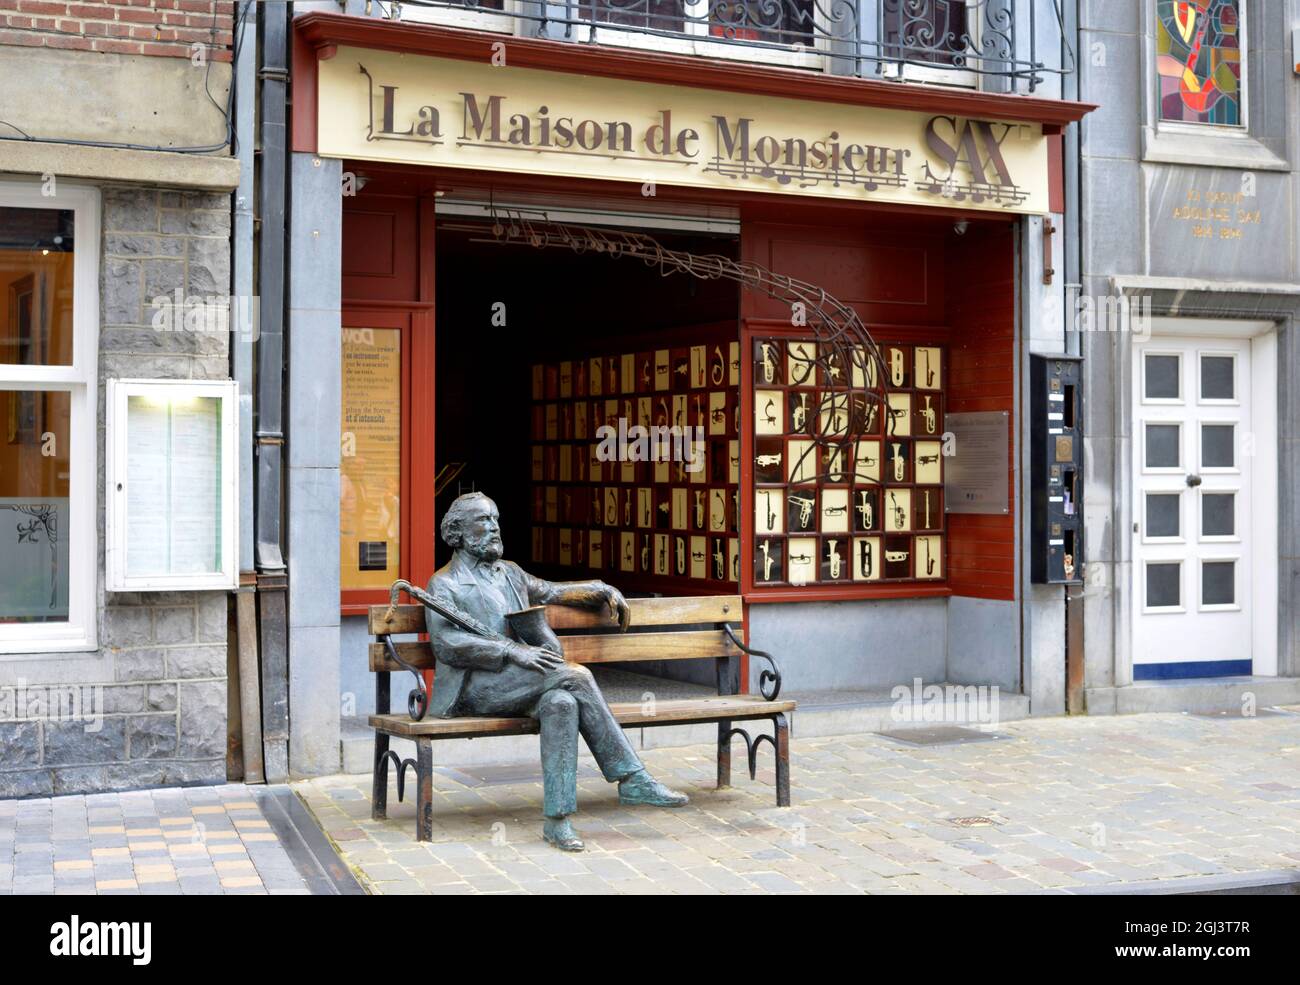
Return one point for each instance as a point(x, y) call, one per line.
point(272, 576)
point(1072, 240)
point(245, 82)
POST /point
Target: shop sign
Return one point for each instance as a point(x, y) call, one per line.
point(384, 106)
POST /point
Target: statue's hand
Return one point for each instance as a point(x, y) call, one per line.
point(618, 606)
point(535, 658)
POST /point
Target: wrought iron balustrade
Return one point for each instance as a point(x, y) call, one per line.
point(956, 41)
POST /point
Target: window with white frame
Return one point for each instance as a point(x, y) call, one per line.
point(49, 312)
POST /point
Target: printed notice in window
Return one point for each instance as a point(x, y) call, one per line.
point(370, 483)
point(173, 486)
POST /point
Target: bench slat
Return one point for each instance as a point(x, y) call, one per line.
point(679, 712)
point(409, 618)
point(604, 648)
point(652, 612)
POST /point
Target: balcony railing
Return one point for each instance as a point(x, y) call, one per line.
point(958, 42)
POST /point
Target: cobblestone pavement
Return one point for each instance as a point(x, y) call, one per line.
point(193, 840)
point(1075, 804)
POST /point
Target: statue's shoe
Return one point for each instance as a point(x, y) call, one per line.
point(560, 833)
point(642, 788)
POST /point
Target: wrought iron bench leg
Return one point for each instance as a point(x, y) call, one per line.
point(424, 790)
point(379, 787)
point(724, 755)
point(781, 730)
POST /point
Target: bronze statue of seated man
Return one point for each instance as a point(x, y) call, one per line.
point(510, 677)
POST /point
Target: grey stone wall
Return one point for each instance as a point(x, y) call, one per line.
point(149, 707)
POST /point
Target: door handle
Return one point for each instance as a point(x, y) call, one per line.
point(1193, 481)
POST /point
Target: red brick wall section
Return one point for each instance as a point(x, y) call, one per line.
point(165, 28)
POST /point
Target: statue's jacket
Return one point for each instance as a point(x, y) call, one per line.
point(459, 652)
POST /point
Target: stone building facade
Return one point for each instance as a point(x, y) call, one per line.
point(110, 100)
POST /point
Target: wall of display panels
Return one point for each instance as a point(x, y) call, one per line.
point(834, 513)
point(655, 500)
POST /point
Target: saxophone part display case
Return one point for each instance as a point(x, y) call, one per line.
point(1056, 470)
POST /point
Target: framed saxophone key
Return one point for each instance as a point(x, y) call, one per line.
point(662, 378)
point(928, 508)
point(733, 366)
point(801, 560)
point(867, 460)
point(866, 559)
point(768, 411)
point(769, 512)
point(595, 376)
point(928, 459)
point(627, 373)
point(627, 551)
point(866, 509)
point(645, 372)
point(801, 460)
point(552, 505)
point(927, 415)
point(699, 366)
point(566, 380)
point(801, 411)
point(801, 363)
point(719, 503)
point(680, 360)
point(768, 357)
point(718, 365)
point(596, 549)
point(566, 546)
point(898, 557)
point(897, 366)
point(718, 567)
point(699, 557)
point(899, 415)
point(928, 368)
point(661, 554)
point(769, 460)
point(801, 511)
point(833, 415)
point(733, 552)
point(928, 554)
point(862, 370)
point(835, 462)
point(680, 521)
point(769, 554)
point(898, 460)
point(835, 511)
point(681, 560)
point(719, 419)
point(898, 510)
point(835, 559)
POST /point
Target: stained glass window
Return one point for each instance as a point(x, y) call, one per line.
point(1199, 52)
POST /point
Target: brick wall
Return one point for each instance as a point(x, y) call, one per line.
point(157, 687)
point(166, 28)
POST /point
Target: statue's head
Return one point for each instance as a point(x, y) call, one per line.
point(472, 524)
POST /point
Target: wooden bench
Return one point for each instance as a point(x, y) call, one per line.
point(662, 629)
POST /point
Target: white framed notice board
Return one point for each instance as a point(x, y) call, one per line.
point(172, 485)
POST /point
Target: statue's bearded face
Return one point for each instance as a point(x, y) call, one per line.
point(480, 531)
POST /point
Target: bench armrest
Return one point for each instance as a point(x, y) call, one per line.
point(768, 678)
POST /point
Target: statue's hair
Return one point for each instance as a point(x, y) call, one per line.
point(456, 512)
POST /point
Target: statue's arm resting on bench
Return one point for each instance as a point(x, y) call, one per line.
point(580, 594)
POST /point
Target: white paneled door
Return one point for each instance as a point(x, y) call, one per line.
point(1195, 459)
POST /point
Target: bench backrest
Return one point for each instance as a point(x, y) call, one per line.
point(662, 629)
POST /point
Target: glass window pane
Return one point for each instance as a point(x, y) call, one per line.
point(1218, 378)
point(173, 488)
point(1162, 377)
point(1217, 446)
point(1218, 583)
point(1162, 446)
point(36, 286)
point(1162, 515)
point(34, 522)
point(1218, 515)
point(1163, 585)
point(1199, 62)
